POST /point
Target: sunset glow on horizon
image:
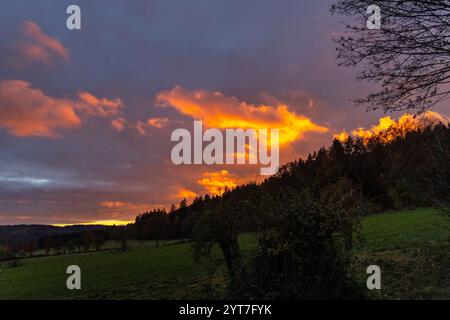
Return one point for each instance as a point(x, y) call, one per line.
point(100, 222)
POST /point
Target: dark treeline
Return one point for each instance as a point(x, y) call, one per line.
point(66, 242)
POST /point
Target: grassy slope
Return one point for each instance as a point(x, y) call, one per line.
point(393, 230)
point(411, 247)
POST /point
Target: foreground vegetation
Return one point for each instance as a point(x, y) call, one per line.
point(411, 247)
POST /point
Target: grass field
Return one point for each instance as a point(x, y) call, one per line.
point(396, 230)
point(411, 247)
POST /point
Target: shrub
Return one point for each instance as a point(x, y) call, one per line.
point(304, 245)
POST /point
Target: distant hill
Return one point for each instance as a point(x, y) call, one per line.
point(21, 233)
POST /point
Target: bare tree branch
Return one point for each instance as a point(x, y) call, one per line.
point(409, 57)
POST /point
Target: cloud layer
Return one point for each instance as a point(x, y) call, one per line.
point(26, 111)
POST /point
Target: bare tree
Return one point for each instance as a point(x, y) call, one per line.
point(29, 247)
point(49, 244)
point(409, 56)
point(88, 240)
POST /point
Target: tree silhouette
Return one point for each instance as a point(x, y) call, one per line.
point(221, 222)
point(49, 244)
point(88, 240)
point(29, 247)
point(409, 56)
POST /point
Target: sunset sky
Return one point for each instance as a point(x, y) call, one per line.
point(86, 115)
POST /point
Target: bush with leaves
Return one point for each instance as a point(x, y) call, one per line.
point(304, 245)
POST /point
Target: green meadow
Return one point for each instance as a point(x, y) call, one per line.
point(411, 247)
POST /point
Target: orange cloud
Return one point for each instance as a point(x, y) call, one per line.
point(219, 111)
point(388, 129)
point(158, 122)
point(341, 136)
point(215, 183)
point(184, 193)
point(37, 46)
point(120, 210)
point(26, 111)
point(118, 124)
point(113, 204)
point(94, 106)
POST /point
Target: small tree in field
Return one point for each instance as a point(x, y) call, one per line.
point(29, 247)
point(98, 242)
point(88, 240)
point(5, 253)
point(220, 226)
point(49, 244)
point(221, 222)
point(123, 244)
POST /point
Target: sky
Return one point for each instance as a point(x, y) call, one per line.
point(86, 115)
